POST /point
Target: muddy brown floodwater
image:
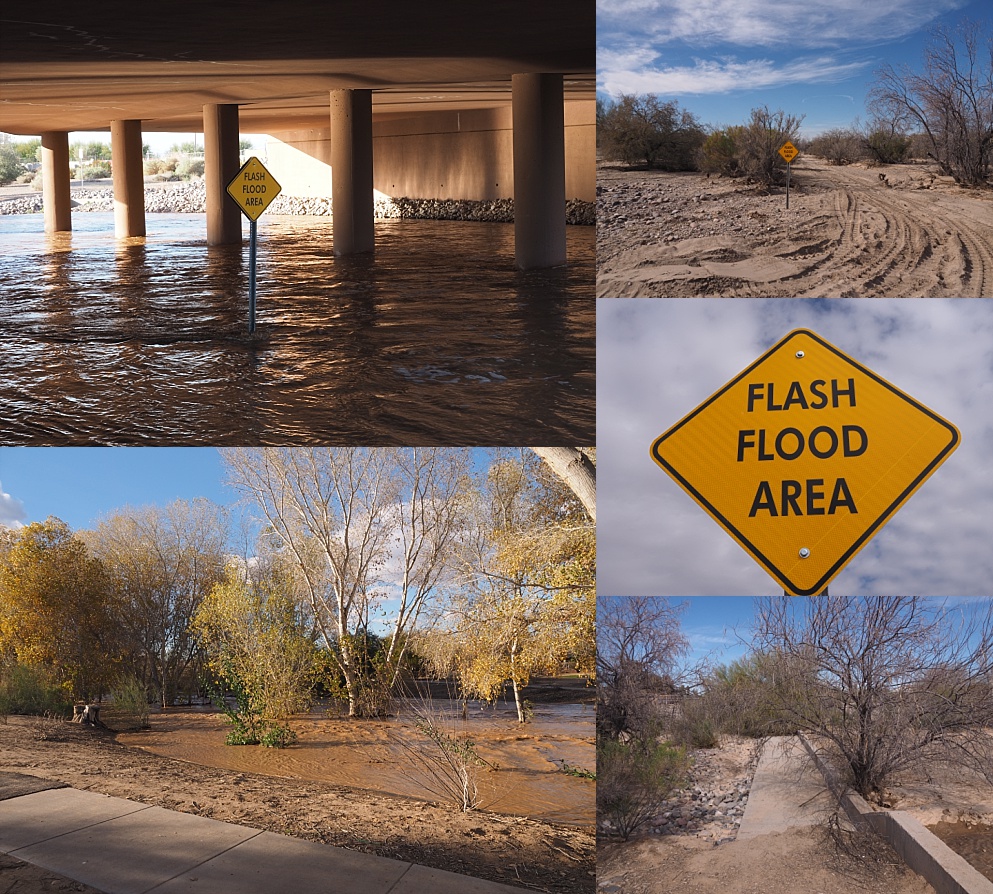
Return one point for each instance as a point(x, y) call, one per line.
point(974, 842)
point(524, 776)
point(435, 338)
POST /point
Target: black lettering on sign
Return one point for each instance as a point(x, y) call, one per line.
point(790, 443)
point(764, 393)
point(812, 492)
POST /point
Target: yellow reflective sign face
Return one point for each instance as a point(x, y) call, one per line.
point(253, 188)
point(788, 151)
point(803, 457)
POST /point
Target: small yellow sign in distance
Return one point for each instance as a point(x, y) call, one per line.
point(253, 188)
point(803, 457)
point(788, 151)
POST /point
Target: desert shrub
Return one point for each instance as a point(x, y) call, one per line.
point(920, 146)
point(131, 702)
point(840, 146)
point(27, 177)
point(11, 166)
point(153, 166)
point(98, 171)
point(632, 779)
point(887, 147)
point(719, 152)
point(190, 167)
point(277, 736)
point(644, 130)
point(744, 696)
point(25, 689)
point(759, 143)
point(697, 724)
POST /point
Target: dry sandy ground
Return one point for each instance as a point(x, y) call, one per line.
point(804, 861)
point(846, 234)
point(515, 851)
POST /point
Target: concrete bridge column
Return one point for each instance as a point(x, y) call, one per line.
point(55, 181)
point(352, 202)
point(129, 184)
point(220, 143)
point(539, 170)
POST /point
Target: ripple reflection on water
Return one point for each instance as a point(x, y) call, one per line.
point(434, 339)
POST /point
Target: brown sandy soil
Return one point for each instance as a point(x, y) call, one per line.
point(696, 861)
point(803, 861)
point(516, 851)
point(846, 234)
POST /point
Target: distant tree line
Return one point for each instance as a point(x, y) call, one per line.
point(943, 112)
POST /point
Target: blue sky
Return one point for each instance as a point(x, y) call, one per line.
point(82, 484)
point(721, 58)
point(659, 359)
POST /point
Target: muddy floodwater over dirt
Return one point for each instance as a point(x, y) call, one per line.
point(436, 338)
point(524, 776)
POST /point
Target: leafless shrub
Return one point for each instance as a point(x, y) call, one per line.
point(950, 101)
point(887, 682)
point(441, 757)
point(645, 130)
point(638, 646)
point(840, 146)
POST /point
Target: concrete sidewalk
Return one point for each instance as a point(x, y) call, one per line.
point(124, 847)
point(787, 790)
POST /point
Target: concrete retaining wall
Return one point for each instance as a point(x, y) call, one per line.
point(921, 850)
point(438, 155)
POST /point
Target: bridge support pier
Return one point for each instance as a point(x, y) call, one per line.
point(55, 181)
point(129, 183)
point(352, 203)
point(539, 170)
point(221, 157)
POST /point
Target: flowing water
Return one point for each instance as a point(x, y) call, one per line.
point(434, 339)
point(523, 775)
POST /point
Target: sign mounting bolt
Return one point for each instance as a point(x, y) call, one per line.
point(804, 552)
point(799, 355)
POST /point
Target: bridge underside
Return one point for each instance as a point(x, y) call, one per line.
point(66, 67)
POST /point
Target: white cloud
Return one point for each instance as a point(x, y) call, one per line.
point(12, 514)
point(657, 360)
point(769, 23)
point(718, 76)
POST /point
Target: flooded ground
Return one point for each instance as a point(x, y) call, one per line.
point(974, 842)
point(434, 339)
point(524, 776)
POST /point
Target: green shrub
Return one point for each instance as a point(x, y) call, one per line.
point(30, 690)
point(276, 736)
point(632, 780)
point(190, 167)
point(98, 171)
point(697, 724)
point(719, 152)
point(131, 702)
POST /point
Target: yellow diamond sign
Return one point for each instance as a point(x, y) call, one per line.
point(804, 456)
point(788, 151)
point(253, 188)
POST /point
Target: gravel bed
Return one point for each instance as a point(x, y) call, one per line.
point(190, 198)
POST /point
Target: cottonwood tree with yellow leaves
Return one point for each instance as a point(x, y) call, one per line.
point(56, 609)
point(528, 604)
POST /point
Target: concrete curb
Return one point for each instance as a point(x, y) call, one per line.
point(920, 849)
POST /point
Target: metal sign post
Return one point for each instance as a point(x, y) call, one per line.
point(253, 188)
point(803, 457)
point(253, 229)
point(789, 167)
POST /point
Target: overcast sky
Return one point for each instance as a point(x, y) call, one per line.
point(659, 359)
point(721, 58)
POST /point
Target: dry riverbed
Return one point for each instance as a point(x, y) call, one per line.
point(851, 232)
